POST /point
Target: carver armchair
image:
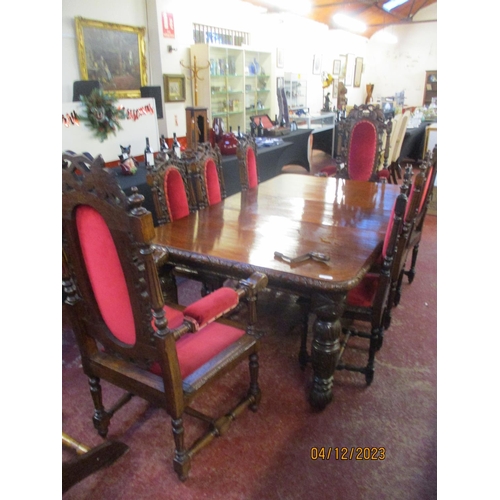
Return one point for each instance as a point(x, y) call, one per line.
point(126, 334)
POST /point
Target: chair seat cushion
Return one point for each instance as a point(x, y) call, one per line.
point(196, 349)
point(364, 294)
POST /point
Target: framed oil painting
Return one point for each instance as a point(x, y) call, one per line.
point(175, 88)
point(336, 67)
point(113, 54)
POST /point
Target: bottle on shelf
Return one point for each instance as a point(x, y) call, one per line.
point(253, 128)
point(149, 159)
point(276, 121)
point(238, 135)
point(260, 129)
point(176, 146)
point(283, 122)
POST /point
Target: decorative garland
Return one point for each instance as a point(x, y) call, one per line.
point(129, 114)
point(101, 114)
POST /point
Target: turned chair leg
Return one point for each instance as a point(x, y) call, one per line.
point(375, 342)
point(182, 461)
point(411, 273)
point(254, 389)
point(101, 418)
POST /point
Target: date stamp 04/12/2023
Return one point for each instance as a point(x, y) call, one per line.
point(347, 453)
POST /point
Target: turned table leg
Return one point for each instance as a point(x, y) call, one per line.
point(325, 348)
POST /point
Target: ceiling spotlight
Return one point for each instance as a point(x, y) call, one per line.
point(392, 4)
point(349, 23)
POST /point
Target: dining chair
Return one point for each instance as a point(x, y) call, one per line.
point(127, 335)
point(172, 191)
point(394, 155)
point(369, 301)
point(413, 188)
point(246, 153)
point(204, 164)
point(363, 144)
point(320, 163)
point(416, 236)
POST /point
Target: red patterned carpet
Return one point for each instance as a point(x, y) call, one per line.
point(267, 455)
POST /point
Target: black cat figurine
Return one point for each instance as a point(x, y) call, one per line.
point(128, 163)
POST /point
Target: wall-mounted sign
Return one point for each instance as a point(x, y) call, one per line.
point(168, 25)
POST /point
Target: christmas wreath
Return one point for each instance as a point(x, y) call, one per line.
point(102, 116)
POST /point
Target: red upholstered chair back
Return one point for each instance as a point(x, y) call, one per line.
point(251, 168)
point(105, 273)
point(247, 162)
point(172, 190)
point(204, 165)
point(214, 194)
point(175, 194)
point(103, 242)
point(364, 142)
point(362, 151)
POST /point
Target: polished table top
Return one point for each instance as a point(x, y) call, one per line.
point(294, 215)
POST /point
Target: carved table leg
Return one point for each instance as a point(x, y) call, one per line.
point(325, 348)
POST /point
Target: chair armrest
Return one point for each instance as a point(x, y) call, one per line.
point(223, 300)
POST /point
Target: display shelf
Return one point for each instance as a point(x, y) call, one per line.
point(239, 83)
point(430, 88)
point(295, 91)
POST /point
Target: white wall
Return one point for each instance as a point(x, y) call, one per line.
point(391, 68)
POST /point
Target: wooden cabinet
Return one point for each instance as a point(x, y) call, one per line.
point(236, 85)
point(430, 87)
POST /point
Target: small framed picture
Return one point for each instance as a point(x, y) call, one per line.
point(317, 64)
point(336, 67)
point(175, 88)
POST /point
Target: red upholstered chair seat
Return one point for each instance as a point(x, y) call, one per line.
point(364, 293)
point(213, 185)
point(175, 194)
point(196, 349)
point(362, 151)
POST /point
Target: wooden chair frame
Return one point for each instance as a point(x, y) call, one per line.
point(126, 365)
point(416, 235)
point(373, 115)
point(244, 144)
point(155, 178)
point(195, 161)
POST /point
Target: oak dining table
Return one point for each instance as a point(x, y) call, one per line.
point(292, 215)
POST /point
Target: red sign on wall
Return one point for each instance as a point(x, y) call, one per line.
point(168, 25)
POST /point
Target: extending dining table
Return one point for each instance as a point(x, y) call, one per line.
point(286, 217)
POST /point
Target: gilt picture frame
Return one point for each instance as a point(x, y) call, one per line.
point(113, 54)
point(175, 88)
